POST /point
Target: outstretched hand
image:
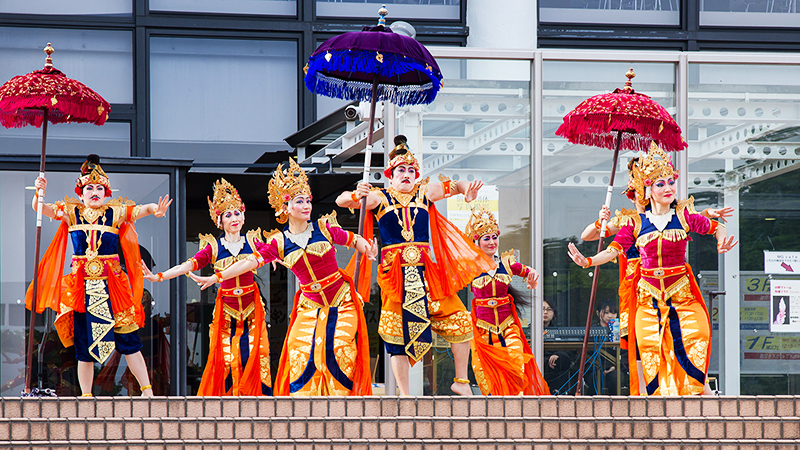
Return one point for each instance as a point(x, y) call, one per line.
point(576, 256)
point(532, 279)
point(726, 244)
point(162, 206)
point(721, 214)
point(472, 190)
point(148, 275)
point(203, 282)
point(372, 249)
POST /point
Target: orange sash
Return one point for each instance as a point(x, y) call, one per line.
point(51, 268)
point(503, 377)
point(362, 382)
point(213, 381)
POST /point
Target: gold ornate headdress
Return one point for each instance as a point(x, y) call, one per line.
point(226, 198)
point(286, 185)
point(399, 156)
point(653, 165)
point(481, 223)
point(92, 173)
point(631, 188)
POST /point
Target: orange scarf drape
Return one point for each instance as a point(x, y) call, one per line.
point(362, 380)
point(213, 381)
point(51, 268)
point(502, 376)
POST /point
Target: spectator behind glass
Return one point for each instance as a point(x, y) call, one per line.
point(605, 311)
point(556, 364)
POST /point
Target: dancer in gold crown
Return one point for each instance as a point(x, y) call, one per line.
point(99, 306)
point(326, 351)
point(629, 272)
point(419, 295)
point(501, 357)
point(238, 357)
point(671, 327)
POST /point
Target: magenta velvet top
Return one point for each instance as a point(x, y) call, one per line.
point(665, 248)
point(315, 261)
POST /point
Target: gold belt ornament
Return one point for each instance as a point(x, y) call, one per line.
point(663, 272)
point(321, 284)
point(411, 253)
point(493, 302)
point(238, 291)
point(92, 264)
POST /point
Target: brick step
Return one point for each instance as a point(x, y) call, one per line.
point(99, 429)
point(407, 444)
point(744, 406)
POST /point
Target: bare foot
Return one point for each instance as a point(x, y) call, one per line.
point(461, 388)
point(147, 392)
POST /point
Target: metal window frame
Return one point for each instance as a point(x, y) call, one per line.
point(729, 352)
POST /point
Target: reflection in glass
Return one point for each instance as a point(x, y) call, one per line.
point(60, 7)
point(744, 141)
point(111, 139)
point(575, 181)
point(221, 100)
point(638, 12)
point(399, 9)
point(262, 7)
point(100, 59)
point(752, 13)
point(17, 236)
point(477, 129)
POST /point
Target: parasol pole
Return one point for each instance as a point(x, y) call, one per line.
point(596, 276)
point(39, 205)
point(367, 165)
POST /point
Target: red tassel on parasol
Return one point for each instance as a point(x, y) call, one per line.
point(37, 98)
point(623, 119)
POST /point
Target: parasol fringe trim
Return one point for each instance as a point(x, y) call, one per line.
point(364, 61)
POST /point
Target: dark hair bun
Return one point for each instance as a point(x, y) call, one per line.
point(400, 139)
point(94, 159)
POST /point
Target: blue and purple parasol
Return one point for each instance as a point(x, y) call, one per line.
point(371, 65)
point(346, 66)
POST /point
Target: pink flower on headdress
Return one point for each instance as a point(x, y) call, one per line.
point(675, 177)
point(648, 182)
point(287, 197)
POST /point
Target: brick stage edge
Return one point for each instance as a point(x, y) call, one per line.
point(407, 423)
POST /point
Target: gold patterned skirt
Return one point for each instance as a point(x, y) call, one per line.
point(673, 336)
point(237, 336)
point(322, 346)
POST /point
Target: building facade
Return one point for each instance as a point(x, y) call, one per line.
point(203, 89)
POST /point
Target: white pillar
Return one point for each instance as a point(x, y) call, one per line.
point(537, 208)
point(729, 337)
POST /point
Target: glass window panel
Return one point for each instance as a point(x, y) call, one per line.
point(111, 139)
point(100, 59)
point(744, 141)
point(221, 100)
point(574, 184)
point(626, 12)
point(265, 7)
point(749, 13)
point(398, 9)
point(17, 243)
point(478, 128)
point(61, 7)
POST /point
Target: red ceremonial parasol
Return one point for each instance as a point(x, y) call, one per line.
point(37, 98)
point(623, 119)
